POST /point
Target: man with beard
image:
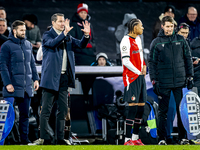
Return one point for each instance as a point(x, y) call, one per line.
point(17, 72)
point(33, 32)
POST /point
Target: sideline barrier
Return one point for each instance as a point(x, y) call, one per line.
point(7, 117)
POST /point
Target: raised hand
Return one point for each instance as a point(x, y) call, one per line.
point(86, 27)
point(67, 26)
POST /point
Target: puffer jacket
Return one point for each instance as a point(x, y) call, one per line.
point(17, 66)
point(170, 60)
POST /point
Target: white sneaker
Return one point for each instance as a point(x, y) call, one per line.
point(67, 141)
point(184, 142)
point(162, 142)
point(37, 142)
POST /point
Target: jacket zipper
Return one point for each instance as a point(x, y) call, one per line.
point(173, 62)
point(24, 67)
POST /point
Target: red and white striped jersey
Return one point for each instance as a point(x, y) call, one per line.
point(132, 48)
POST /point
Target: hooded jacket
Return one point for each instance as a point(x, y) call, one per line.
point(170, 60)
point(123, 30)
point(83, 56)
point(17, 66)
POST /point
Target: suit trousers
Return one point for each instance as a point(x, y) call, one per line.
point(48, 96)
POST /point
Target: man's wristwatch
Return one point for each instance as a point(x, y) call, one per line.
point(87, 36)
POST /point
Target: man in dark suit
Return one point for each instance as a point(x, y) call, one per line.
point(58, 72)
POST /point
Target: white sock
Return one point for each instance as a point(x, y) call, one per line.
point(126, 139)
point(135, 137)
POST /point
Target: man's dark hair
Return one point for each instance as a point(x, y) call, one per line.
point(2, 8)
point(17, 23)
point(167, 19)
point(183, 26)
point(132, 23)
point(54, 16)
point(2, 19)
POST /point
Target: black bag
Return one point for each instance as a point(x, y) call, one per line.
point(144, 132)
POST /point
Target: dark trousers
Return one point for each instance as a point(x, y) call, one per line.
point(23, 106)
point(163, 101)
point(48, 97)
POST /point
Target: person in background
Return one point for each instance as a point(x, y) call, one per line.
point(168, 11)
point(134, 71)
point(122, 30)
point(4, 16)
point(33, 32)
point(192, 19)
point(101, 60)
point(83, 56)
point(18, 70)
point(3, 31)
point(195, 49)
point(170, 69)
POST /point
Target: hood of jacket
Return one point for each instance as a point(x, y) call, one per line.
point(161, 17)
point(128, 17)
point(15, 40)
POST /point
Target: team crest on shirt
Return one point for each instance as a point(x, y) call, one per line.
point(133, 98)
point(163, 45)
point(124, 48)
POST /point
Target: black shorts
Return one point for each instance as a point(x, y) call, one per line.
point(136, 91)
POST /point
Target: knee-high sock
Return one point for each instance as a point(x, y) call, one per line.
point(130, 120)
point(138, 119)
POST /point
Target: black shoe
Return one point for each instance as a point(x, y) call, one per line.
point(171, 142)
point(191, 142)
point(63, 142)
point(47, 142)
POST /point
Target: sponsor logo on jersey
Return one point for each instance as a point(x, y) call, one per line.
point(133, 98)
point(178, 43)
point(124, 48)
point(138, 51)
point(163, 45)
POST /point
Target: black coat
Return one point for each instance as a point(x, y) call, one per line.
point(195, 47)
point(84, 56)
point(170, 60)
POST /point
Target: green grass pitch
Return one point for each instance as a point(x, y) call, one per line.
point(101, 147)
